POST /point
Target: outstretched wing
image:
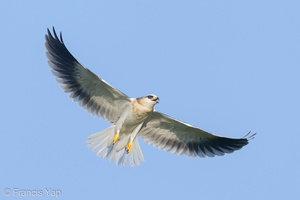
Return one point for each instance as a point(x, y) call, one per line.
point(180, 138)
point(92, 92)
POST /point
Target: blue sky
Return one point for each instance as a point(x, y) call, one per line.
point(225, 66)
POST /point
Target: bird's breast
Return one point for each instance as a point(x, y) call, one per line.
point(136, 115)
point(139, 111)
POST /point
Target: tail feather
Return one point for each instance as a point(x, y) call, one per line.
point(134, 153)
point(102, 143)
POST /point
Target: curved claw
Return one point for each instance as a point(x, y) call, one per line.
point(129, 146)
point(116, 137)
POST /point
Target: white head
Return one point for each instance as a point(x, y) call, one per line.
point(148, 100)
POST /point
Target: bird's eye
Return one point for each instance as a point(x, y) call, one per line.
point(150, 97)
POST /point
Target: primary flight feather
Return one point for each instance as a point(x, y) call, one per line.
point(129, 117)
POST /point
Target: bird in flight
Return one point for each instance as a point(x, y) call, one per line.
point(130, 117)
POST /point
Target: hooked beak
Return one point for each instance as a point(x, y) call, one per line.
point(157, 100)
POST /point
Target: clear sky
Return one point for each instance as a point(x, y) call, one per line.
point(227, 67)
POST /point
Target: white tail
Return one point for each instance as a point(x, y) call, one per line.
point(102, 143)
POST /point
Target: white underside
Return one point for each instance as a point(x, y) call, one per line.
point(102, 144)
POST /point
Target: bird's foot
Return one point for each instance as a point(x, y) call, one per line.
point(129, 146)
point(116, 137)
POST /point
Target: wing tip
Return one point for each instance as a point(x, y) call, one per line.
point(249, 136)
point(54, 35)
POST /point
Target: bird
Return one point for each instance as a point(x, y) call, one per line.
point(129, 117)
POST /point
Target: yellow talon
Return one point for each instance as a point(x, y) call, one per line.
point(116, 137)
point(129, 146)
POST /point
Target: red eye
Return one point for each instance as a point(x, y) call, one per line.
point(150, 97)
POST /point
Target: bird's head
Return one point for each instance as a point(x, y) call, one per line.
point(149, 100)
